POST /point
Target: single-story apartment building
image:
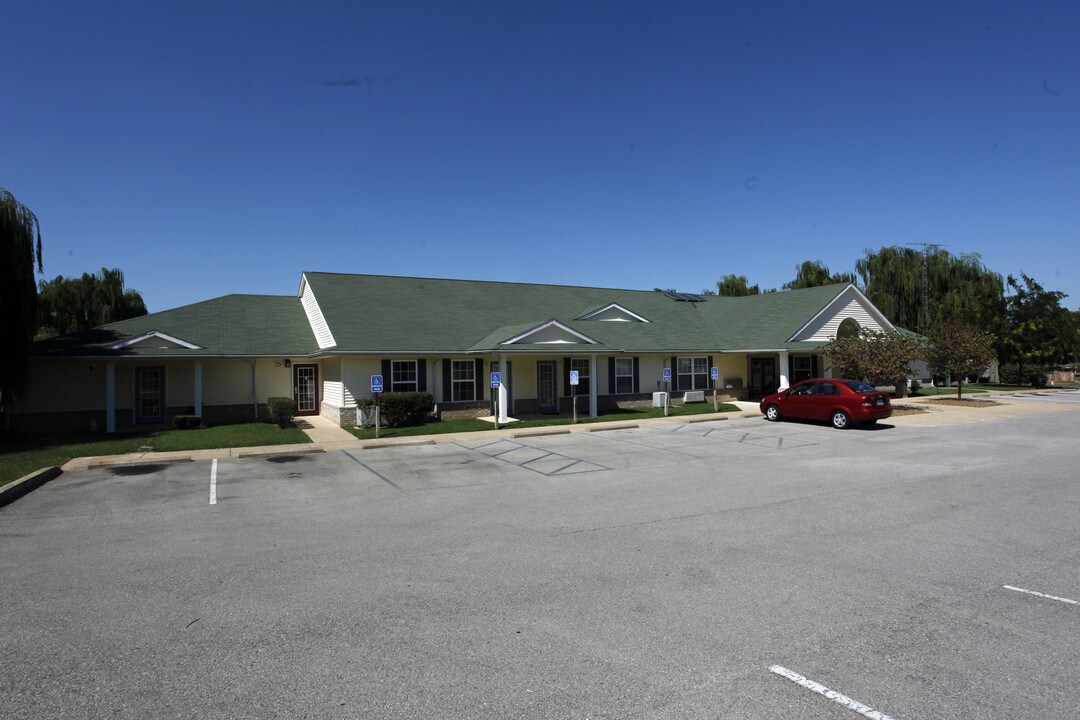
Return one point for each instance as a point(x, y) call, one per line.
point(223, 358)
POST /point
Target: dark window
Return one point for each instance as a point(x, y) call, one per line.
point(463, 373)
point(403, 376)
point(582, 367)
point(693, 373)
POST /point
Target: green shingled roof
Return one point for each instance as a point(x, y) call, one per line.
point(376, 313)
point(233, 325)
point(382, 314)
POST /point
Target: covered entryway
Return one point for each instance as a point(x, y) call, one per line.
point(306, 389)
point(764, 378)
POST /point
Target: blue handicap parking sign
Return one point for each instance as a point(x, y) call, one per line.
point(376, 383)
point(716, 373)
point(496, 379)
point(575, 377)
point(667, 374)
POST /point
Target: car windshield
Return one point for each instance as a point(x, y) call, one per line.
point(860, 386)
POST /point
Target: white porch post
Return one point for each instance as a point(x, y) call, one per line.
point(503, 394)
point(198, 388)
point(784, 380)
point(110, 397)
point(592, 385)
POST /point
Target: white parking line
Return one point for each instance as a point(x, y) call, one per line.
point(830, 694)
point(213, 482)
point(1042, 595)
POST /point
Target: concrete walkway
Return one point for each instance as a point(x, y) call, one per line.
point(327, 437)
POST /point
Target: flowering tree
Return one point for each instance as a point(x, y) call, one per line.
point(960, 351)
point(881, 357)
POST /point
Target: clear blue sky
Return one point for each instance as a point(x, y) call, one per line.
point(207, 148)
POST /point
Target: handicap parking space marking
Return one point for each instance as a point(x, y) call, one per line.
point(1065, 397)
point(1067, 601)
point(825, 692)
point(538, 460)
point(370, 469)
point(743, 437)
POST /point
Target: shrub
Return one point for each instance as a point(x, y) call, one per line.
point(1010, 374)
point(400, 409)
point(916, 386)
point(282, 410)
point(186, 422)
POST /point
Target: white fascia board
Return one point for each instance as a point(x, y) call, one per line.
point(850, 289)
point(544, 326)
point(154, 334)
point(618, 307)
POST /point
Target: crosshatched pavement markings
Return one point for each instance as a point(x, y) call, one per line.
point(1070, 397)
point(538, 460)
point(743, 436)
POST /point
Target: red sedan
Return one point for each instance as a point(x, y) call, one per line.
point(841, 402)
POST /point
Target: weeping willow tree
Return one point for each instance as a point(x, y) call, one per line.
point(814, 273)
point(921, 289)
point(67, 305)
point(20, 256)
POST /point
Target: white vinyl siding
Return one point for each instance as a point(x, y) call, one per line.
point(824, 327)
point(318, 324)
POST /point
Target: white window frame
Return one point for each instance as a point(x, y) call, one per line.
point(469, 382)
point(628, 365)
point(582, 367)
point(403, 385)
point(694, 372)
point(808, 368)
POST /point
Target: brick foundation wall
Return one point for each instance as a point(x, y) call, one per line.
point(462, 410)
point(341, 416)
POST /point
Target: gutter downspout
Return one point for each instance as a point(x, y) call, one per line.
point(254, 397)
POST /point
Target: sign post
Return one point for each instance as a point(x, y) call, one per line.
point(667, 389)
point(496, 381)
point(376, 390)
point(575, 377)
point(715, 377)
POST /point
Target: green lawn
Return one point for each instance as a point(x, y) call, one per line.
point(453, 426)
point(26, 453)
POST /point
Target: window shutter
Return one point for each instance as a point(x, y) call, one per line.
point(637, 384)
point(814, 366)
point(479, 380)
point(708, 374)
point(447, 384)
point(674, 374)
point(611, 376)
point(387, 376)
point(421, 375)
point(566, 377)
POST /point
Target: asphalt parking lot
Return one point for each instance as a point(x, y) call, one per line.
point(727, 569)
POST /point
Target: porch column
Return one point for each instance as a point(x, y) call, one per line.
point(110, 397)
point(503, 395)
point(592, 385)
point(784, 380)
point(198, 388)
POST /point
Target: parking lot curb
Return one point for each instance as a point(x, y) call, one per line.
point(278, 451)
point(27, 483)
point(140, 461)
point(613, 427)
point(541, 433)
point(389, 444)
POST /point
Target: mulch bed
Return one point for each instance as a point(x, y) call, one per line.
point(908, 410)
point(963, 403)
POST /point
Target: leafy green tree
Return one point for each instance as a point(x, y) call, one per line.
point(67, 305)
point(20, 255)
point(918, 290)
point(960, 351)
point(814, 273)
point(736, 286)
point(881, 357)
point(1039, 333)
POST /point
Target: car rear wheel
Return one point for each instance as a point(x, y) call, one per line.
point(772, 413)
point(840, 420)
